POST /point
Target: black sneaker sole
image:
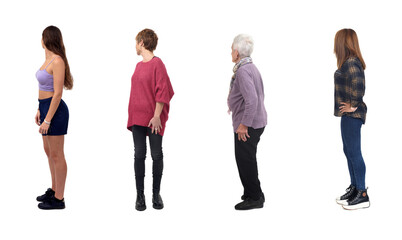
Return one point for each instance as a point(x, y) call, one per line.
point(51, 208)
point(255, 207)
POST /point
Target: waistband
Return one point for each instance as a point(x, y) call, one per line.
point(45, 100)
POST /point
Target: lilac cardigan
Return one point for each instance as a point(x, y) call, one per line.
point(246, 99)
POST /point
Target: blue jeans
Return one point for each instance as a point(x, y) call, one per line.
point(350, 129)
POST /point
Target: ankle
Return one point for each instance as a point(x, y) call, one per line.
point(59, 197)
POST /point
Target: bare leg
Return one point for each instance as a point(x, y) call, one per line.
point(51, 165)
point(56, 144)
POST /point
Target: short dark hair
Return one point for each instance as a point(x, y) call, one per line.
point(149, 38)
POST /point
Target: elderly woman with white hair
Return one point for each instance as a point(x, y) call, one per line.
point(246, 102)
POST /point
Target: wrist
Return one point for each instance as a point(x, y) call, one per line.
point(48, 123)
point(157, 116)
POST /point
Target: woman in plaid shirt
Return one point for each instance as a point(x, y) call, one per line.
point(349, 105)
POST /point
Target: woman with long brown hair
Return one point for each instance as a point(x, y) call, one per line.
point(52, 115)
point(349, 105)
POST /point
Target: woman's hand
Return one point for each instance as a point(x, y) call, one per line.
point(345, 107)
point(37, 118)
point(242, 132)
point(156, 124)
point(44, 128)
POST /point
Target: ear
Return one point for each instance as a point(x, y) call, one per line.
point(237, 54)
point(141, 43)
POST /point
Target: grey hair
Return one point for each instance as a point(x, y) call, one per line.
point(244, 44)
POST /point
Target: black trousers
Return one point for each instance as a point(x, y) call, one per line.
point(140, 150)
point(246, 159)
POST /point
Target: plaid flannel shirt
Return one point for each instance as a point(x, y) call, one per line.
point(350, 87)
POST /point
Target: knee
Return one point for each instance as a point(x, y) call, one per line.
point(57, 158)
point(47, 151)
point(157, 155)
point(140, 152)
point(345, 150)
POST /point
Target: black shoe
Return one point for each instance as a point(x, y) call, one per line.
point(350, 193)
point(157, 202)
point(243, 197)
point(49, 192)
point(249, 203)
point(140, 202)
point(52, 203)
point(361, 200)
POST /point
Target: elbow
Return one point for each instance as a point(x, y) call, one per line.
point(57, 96)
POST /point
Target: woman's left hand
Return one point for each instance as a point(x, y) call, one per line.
point(44, 128)
point(156, 124)
point(346, 107)
point(242, 132)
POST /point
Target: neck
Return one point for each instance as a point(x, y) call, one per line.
point(48, 54)
point(147, 55)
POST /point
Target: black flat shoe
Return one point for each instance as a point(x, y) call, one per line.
point(140, 202)
point(249, 203)
point(157, 202)
point(49, 193)
point(52, 203)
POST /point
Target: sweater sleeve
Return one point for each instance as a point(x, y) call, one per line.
point(249, 93)
point(163, 90)
point(357, 83)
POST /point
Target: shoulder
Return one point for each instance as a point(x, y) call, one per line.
point(247, 70)
point(58, 64)
point(158, 62)
point(158, 65)
point(58, 61)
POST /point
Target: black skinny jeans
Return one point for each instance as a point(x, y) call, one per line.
point(140, 151)
point(246, 159)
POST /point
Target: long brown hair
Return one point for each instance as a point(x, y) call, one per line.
point(53, 41)
point(346, 46)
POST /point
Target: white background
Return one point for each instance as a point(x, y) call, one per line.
point(301, 163)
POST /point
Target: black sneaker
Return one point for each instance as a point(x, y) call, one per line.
point(157, 202)
point(49, 192)
point(243, 197)
point(249, 203)
point(350, 193)
point(140, 202)
point(52, 203)
point(361, 200)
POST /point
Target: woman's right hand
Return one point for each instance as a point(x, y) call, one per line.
point(37, 118)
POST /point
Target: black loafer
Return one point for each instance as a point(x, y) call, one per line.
point(49, 193)
point(157, 202)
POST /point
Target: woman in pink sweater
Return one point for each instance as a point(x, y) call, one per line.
point(148, 111)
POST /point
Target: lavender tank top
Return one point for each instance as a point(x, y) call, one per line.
point(45, 79)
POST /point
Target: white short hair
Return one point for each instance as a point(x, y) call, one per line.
point(244, 44)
